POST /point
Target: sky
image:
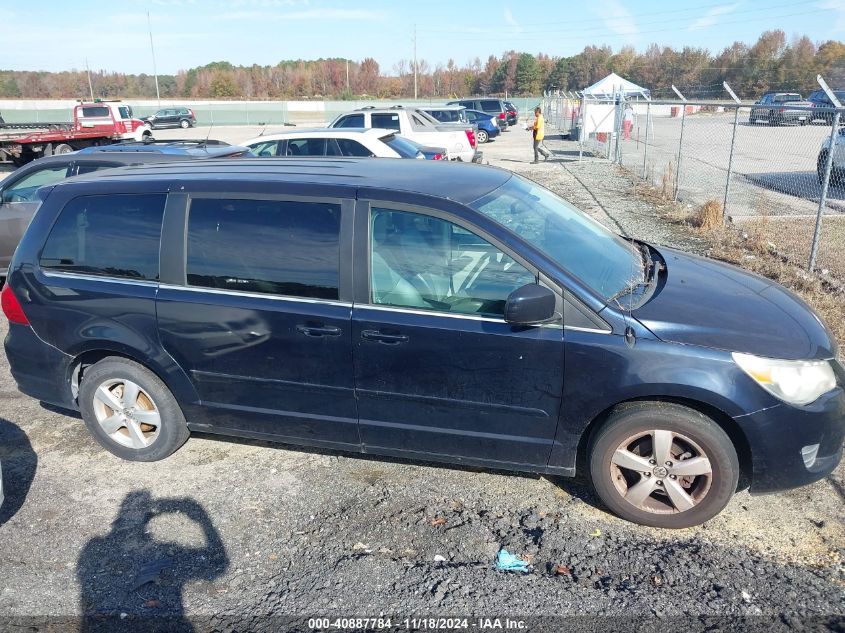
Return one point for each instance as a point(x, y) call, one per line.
point(114, 36)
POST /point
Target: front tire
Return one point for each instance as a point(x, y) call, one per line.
point(130, 411)
point(481, 136)
point(663, 465)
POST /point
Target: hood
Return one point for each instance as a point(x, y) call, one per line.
point(712, 304)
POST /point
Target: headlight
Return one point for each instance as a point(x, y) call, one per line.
point(793, 381)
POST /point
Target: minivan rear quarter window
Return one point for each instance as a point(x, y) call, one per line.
point(265, 246)
point(110, 235)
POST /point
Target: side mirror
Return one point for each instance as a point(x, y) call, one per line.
point(531, 304)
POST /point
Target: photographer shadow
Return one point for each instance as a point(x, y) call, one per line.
point(129, 580)
point(18, 463)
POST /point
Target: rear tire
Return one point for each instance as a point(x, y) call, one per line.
point(481, 136)
point(184, 124)
point(62, 148)
point(130, 411)
point(663, 465)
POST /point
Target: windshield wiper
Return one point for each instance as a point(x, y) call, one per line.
point(630, 290)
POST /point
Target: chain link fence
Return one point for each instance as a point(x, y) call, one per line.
point(767, 169)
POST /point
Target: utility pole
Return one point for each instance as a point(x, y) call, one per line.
point(153, 51)
point(90, 85)
point(415, 61)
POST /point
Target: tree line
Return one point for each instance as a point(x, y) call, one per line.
point(771, 63)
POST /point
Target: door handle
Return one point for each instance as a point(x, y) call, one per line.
point(381, 337)
point(318, 330)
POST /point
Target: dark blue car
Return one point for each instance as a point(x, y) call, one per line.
point(418, 309)
point(488, 126)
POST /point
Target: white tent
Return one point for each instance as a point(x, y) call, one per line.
point(613, 85)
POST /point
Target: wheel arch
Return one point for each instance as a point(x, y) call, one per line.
point(174, 379)
point(730, 426)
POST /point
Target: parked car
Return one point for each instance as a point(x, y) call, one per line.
point(513, 113)
point(777, 108)
point(447, 114)
point(488, 125)
point(176, 116)
point(496, 107)
point(823, 107)
point(185, 148)
point(360, 142)
point(420, 309)
point(414, 124)
point(837, 167)
point(19, 190)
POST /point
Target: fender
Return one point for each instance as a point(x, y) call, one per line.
point(601, 371)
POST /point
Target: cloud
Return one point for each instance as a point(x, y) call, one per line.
point(712, 16)
point(512, 21)
point(838, 7)
point(617, 18)
point(307, 14)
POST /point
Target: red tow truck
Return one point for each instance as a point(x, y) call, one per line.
point(94, 123)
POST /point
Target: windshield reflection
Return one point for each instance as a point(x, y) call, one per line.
point(602, 260)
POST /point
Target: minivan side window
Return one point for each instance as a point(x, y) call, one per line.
point(109, 235)
point(24, 190)
point(489, 105)
point(423, 262)
point(265, 246)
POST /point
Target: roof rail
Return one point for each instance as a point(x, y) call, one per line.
point(369, 107)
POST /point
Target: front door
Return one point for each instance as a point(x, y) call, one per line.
point(437, 369)
point(259, 321)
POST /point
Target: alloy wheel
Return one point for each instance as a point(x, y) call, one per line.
point(127, 413)
point(661, 472)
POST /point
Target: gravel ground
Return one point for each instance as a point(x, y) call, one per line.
point(239, 535)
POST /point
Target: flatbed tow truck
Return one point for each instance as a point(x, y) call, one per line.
point(94, 123)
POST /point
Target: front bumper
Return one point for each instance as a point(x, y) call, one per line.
point(778, 434)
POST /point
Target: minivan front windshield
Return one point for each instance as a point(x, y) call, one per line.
point(602, 260)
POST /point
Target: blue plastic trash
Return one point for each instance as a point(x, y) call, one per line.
point(505, 561)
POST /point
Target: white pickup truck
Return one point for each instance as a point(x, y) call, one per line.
point(416, 125)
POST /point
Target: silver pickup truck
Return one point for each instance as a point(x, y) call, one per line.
point(777, 108)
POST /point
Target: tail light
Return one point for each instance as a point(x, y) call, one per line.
point(437, 157)
point(781, 110)
point(471, 137)
point(191, 112)
point(12, 307)
point(502, 115)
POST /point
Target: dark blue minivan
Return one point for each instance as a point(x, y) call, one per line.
point(418, 309)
